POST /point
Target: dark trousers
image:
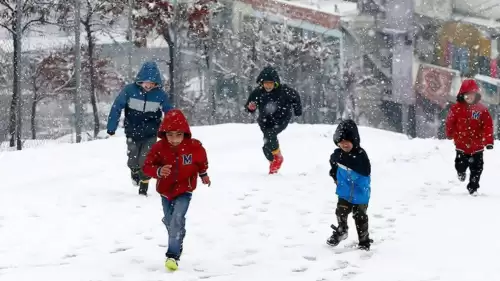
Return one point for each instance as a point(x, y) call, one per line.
point(136, 152)
point(475, 164)
point(344, 208)
point(271, 142)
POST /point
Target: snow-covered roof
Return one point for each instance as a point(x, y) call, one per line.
point(50, 42)
point(488, 9)
point(322, 13)
point(334, 7)
point(488, 23)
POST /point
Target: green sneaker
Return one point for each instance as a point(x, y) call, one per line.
point(171, 264)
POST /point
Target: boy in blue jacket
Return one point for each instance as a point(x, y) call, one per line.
point(351, 172)
point(143, 101)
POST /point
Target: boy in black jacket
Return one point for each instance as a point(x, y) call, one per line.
point(276, 102)
point(350, 169)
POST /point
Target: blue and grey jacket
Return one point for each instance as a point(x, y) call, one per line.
point(351, 170)
point(143, 110)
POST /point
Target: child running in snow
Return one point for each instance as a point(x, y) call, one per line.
point(176, 161)
point(470, 126)
point(143, 102)
point(350, 169)
point(275, 103)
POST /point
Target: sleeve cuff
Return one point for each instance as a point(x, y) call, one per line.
point(158, 172)
point(203, 174)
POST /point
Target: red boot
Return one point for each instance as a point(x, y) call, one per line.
point(276, 163)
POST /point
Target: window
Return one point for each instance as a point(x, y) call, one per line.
point(484, 65)
point(460, 59)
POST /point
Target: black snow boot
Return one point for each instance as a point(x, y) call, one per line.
point(472, 188)
point(134, 174)
point(143, 187)
point(462, 176)
point(339, 234)
point(365, 245)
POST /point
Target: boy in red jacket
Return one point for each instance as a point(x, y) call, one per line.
point(176, 161)
point(470, 125)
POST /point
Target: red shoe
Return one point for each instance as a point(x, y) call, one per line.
point(276, 163)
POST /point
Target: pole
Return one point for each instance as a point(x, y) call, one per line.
point(399, 25)
point(210, 88)
point(130, 40)
point(78, 67)
point(409, 107)
point(342, 83)
point(17, 76)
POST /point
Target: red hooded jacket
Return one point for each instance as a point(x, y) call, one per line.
point(188, 159)
point(469, 125)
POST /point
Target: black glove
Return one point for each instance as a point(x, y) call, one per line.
point(489, 146)
point(110, 133)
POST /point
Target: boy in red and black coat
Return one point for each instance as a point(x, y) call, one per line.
point(470, 126)
point(176, 161)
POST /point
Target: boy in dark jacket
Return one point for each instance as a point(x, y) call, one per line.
point(350, 169)
point(176, 161)
point(276, 103)
point(143, 101)
point(470, 126)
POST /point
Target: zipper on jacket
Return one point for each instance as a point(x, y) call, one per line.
point(469, 116)
point(145, 101)
point(351, 194)
point(175, 170)
point(176, 165)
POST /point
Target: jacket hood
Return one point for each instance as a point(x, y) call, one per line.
point(174, 121)
point(268, 74)
point(149, 72)
point(468, 87)
point(347, 130)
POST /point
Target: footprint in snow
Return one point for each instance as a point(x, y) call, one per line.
point(310, 258)
point(300, 269)
point(136, 261)
point(390, 220)
point(341, 264)
point(244, 263)
point(118, 250)
point(304, 212)
point(348, 275)
point(70, 256)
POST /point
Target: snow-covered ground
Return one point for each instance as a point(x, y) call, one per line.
point(68, 212)
point(336, 7)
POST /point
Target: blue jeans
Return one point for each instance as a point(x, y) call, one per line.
point(174, 218)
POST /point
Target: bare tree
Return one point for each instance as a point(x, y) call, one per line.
point(54, 76)
point(96, 16)
point(169, 20)
point(12, 13)
point(50, 77)
point(78, 74)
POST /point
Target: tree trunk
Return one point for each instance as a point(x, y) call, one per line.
point(15, 125)
point(171, 65)
point(78, 72)
point(15, 95)
point(93, 99)
point(33, 115)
